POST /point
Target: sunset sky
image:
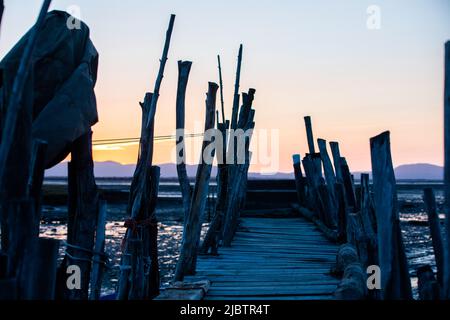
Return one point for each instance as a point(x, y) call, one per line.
point(315, 58)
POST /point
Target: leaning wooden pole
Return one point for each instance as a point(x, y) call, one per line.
point(234, 115)
point(133, 280)
point(222, 104)
point(160, 76)
point(309, 135)
point(395, 281)
point(184, 68)
point(447, 168)
point(15, 98)
point(335, 151)
point(191, 234)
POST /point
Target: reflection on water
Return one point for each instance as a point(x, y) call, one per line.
point(169, 240)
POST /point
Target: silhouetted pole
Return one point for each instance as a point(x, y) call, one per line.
point(184, 68)
point(447, 168)
point(222, 104)
point(334, 146)
point(234, 115)
point(435, 230)
point(395, 281)
point(309, 135)
point(191, 234)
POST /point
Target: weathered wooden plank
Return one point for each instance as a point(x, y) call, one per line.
point(297, 265)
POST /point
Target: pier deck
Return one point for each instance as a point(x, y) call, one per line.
point(272, 258)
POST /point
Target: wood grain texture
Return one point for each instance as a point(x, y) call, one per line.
point(271, 259)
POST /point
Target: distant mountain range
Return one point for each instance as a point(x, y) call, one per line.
point(419, 171)
point(111, 169)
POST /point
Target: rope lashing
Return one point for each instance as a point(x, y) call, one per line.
point(133, 225)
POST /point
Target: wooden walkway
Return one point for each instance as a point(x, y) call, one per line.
point(284, 258)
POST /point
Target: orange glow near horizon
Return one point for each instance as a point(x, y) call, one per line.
point(303, 58)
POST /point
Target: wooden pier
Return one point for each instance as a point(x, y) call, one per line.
point(273, 259)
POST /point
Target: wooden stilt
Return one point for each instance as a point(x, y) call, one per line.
point(309, 135)
point(184, 68)
point(191, 234)
point(435, 230)
point(395, 279)
point(447, 169)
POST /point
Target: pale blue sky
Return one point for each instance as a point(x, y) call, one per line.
point(303, 57)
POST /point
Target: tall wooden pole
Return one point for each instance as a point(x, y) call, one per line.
point(447, 167)
point(184, 68)
point(234, 115)
point(191, 234)
point(155, 97)
point(15, 98)
point(222, 104)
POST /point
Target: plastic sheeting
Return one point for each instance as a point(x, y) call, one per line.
point(64, 73)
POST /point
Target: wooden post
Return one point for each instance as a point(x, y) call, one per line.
point(99, 248)
point(234, 114)
point(36, 178)
point(428, 286)
point(83, 212)
point(348, 184)
point(368, 220)
point(191, 235)
point(327, 208)
point(435, 230)
point(342, 212)
point(329, 175)
point(22, 227)
point(395, 281)
point(334, 146)
point(151, 248)
point(309, 135)
point(141, 187)
point(42, 266)
point(447, 168)
point(184, 68)
point(160, 76)
point(299, 180)
point(222, 104)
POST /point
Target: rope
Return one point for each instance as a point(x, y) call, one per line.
point(94, 254)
